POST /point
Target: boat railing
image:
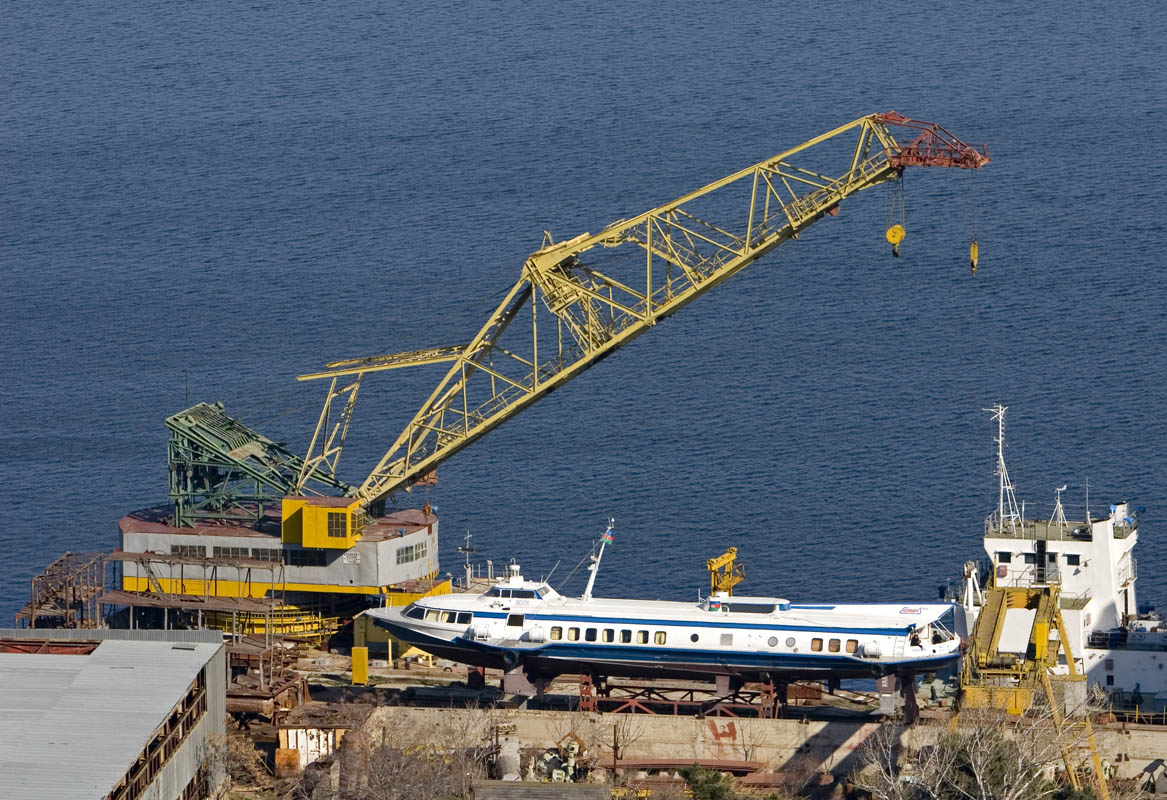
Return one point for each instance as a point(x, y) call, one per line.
point(1112, 639)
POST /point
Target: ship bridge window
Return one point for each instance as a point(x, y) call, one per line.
point(465, 617)
point(514, 620)
point(433, 615)
point(1073, 559)
point(1004, 557)
point(415, 612)
point(450, 617)
point(751, 608)
point(1030, 558)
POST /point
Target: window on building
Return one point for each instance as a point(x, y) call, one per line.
point(193, 550)
point(573, 634)
point(411, 552)
point(625, 637)
point(338, 524)
point(590, 634)
point(833, 645)
point(1110, 680)
point(232, 552)
point(360, 519)
point(1073, 559)
point(266, 553)
point(660, 637)
point(816, 645)
point(556, 633)
point(305, 558)
point(1051, 558)
point(609, 635)
point(1004, 557)
point(1030, 558)
point(852, 645)
point(642, 637)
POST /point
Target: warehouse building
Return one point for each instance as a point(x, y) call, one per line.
point(111, 714)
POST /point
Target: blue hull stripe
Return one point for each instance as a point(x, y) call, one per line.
point(775, 627)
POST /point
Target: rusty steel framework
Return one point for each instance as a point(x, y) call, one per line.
point(577, 301)
point(66, 594)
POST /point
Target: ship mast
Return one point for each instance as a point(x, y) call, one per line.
point(1006, 499)
point(594, 567)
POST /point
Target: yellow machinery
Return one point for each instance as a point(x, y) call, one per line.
point(1010, 682)
point(578, 300)
point(724, 573)
point(325, 522)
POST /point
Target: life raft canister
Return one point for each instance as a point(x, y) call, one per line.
point(1002, 571)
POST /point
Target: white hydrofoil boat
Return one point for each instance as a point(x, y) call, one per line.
point(521, 623)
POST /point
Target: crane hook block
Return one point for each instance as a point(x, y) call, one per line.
point(974, 255)
point(895, 234)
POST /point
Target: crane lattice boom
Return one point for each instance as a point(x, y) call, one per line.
point(578, 300)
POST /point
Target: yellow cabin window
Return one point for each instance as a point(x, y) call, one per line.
point(642, 637)
point(816, 645)
point(660, 637)
point(609, 635)
point(337, 524)
point(557, 633)
point(573, 634)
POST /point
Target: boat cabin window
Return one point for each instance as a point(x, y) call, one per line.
point(1004, 557)
point(514, 620)
point(573, 634)
point(790, 641)
point(1030, 558)
point(517, 594)
point(415, 612)
point(556, 633)
point(1073, 559)
point(590, 634)
point(751, 608)
point(852, 645)
point(694, 637)
point(816, 645)
point(833, 645)
point(450, 617)
point(660, 637)
point(609, 635)
point(642, 637)
point(625, 637)
point(433, 615)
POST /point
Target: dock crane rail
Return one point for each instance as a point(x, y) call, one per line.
point(565, 314)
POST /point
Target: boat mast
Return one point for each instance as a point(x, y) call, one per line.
point(594, 567)
point(1006, 499)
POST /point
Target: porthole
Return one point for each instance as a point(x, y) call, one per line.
point(693, 638)
point(790, 641)
point(772, 641)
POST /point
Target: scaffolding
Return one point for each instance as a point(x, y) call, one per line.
point(66, 594)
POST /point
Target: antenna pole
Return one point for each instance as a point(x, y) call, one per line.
point(1006, 499)
point(594, 567)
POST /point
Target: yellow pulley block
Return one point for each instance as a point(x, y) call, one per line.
point(895, 234)
point(974, 255)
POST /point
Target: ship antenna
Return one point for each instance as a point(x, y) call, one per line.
point(594, 567)
point(1006, 499)
point(1059, 515)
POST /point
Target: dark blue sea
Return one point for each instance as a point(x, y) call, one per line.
point(204, 200)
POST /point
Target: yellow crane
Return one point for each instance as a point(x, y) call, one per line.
point(724, 572)
point(576, 301)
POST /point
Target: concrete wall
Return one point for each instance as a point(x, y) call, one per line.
point(834, 746)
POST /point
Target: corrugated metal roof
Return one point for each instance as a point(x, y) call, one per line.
point(71, 725)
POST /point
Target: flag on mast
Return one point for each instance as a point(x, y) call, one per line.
point(607, 536)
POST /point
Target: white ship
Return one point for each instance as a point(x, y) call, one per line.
point(1120, 646)
point(525, 624)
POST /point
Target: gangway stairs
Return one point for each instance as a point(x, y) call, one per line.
point(991, 678)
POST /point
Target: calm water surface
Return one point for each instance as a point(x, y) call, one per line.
point(227, 195)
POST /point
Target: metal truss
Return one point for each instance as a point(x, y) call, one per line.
point(577, 301)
